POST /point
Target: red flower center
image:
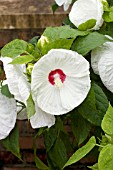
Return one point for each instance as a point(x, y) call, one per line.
point(56, 74)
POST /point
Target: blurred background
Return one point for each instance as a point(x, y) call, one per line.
point(25, 19)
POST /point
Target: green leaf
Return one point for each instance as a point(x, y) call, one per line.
point(63, 32)
point(108, 15)
point(83, 45)
point(30, 47)
point(55, 147)
point(24, 59)
point(107, 29)
point(51, 164)
point(81, 152)
point(14, 48)
point(87, 25)
point(36, 54)
point(94, 167)
point(30, 107)
point(88, 109)
point(102, 102)
point(105, 5)
point(58, 37)
point(59, 126)
point(61, 43)
point(50, 137)
point(110, 2)
point(105, 160)
point(66, 140)
point(58, 153)
point(54, 7)
point(106, 139)
point(12, 142)
point(39, 164)
point(80, 127)
point(34, 40)
point(5, 91)
point(107, 122)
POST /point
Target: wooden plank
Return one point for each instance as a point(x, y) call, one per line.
point(21, 14)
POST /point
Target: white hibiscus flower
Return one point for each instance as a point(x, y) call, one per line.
point(8, 115)
point(102, 64)
point(105, 67)
point(83, 11)
point(99, 52)
point(60, 81)
point(66, 3)
point(20, 88)
point(96, 55)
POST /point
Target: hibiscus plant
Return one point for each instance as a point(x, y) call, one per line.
point(64, 77)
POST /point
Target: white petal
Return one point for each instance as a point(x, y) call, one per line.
point(12, 74)
point(17, 82)
point(105, 67)
point(41, 119)
point(99, 18)
point(74, 91)
point(82, 12)
point(48, 99)
point(98, 53)
point(8, 115)
point(60, 2)
point(24, 88)
point(67, 4)
point(47, 95)
point(73, 64)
